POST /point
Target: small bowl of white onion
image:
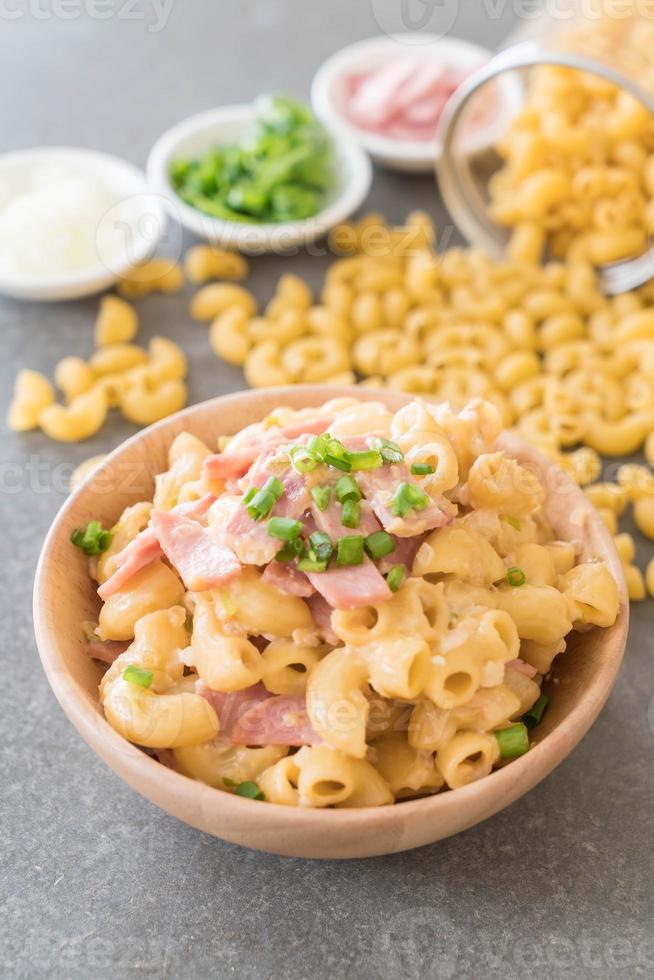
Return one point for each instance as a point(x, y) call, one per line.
point(72, 221)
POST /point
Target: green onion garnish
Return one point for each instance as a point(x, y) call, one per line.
point(311, 565)
point(532, 717)
point(321, 497)
point(351, 513)
point(93, 540)
point(379, 544)
point(408, 497)
point(336, 455)
point(138, 675)
point(274, 486)
point(249, 790)
point(347, 488)
point(284, 528)
point(369, 460)
point(514, 522)
point(395, 577)
point(390, 451)
point(422, 469)
point(350, 550)
point(303, 459)
point(317, 446)
point(261, 504)
point(512, 741)
point(320, 546)
point(249, 495)
point(516, 576)
point(291, 550)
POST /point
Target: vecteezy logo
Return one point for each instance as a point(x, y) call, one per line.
point(419, 943)
point(433, 17)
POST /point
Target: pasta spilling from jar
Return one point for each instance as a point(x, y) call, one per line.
point(344, 607)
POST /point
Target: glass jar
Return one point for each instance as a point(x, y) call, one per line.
point(549, 148)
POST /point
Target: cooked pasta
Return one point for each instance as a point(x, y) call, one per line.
point(344, 607)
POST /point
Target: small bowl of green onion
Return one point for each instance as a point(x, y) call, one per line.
point(258, 178)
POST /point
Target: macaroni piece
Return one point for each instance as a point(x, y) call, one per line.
point(345, 607)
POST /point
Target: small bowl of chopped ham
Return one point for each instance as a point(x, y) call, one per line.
point(389, 93)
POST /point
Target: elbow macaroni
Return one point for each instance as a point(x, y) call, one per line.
point(374, 702)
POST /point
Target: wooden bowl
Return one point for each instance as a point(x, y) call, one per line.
point(64, 596)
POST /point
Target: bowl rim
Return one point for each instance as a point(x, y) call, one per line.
point(338, 63)
point(255, 237)
point(98, 276)
point(498, 789)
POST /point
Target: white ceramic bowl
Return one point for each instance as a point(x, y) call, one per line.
point(134, 222)
point(229, 124)
point(329, 93)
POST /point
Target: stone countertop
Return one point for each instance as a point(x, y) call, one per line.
point(96, 881)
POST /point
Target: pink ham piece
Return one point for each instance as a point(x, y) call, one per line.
point(230, 465)
point(522, 668)
point(285, 577)
point(145, 548)
point(349, 586)
point(405, 552)
point(321, 612)
point(378, 486)
point(230, 706)
point(279, 720)
point(141, 551)
point(201, 562)
point(106, 650)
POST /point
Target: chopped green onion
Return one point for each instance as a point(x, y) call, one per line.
point(320, 546)
point(321, 497)
point(407, 497)
point(317, 446)
point(249, 495)
point(309, 565)
point(336, 455)
point(291, 550)
point(351, 513)
point(303, 459)
point(516, 576)
point(249, 790)
point(512, 741)
point(138, 675)
point(93, 540)
point(379, 544)
point(422, 469)
point(347, 488)
point(274, 486)
point(261, 504)
point(395, 577)
point(284, 528)
point(350, 550)
point(513, 521)
point(532, 717)
point(390, 451)
point(366, 460)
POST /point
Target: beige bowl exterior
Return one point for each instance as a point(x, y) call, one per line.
point(64, 596)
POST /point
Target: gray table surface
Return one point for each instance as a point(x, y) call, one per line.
point(96, 881)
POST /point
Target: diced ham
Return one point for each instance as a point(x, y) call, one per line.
point(350, 586)
point(405, 551)
point(522, 668)
point(141, 551)
point(230, 706)
point(279, 720)
point(285, 577)
point(321, 612)
point(230, 465)
point(145, 548)
point(378, 486)
point(202, 562)
point(106, 650)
